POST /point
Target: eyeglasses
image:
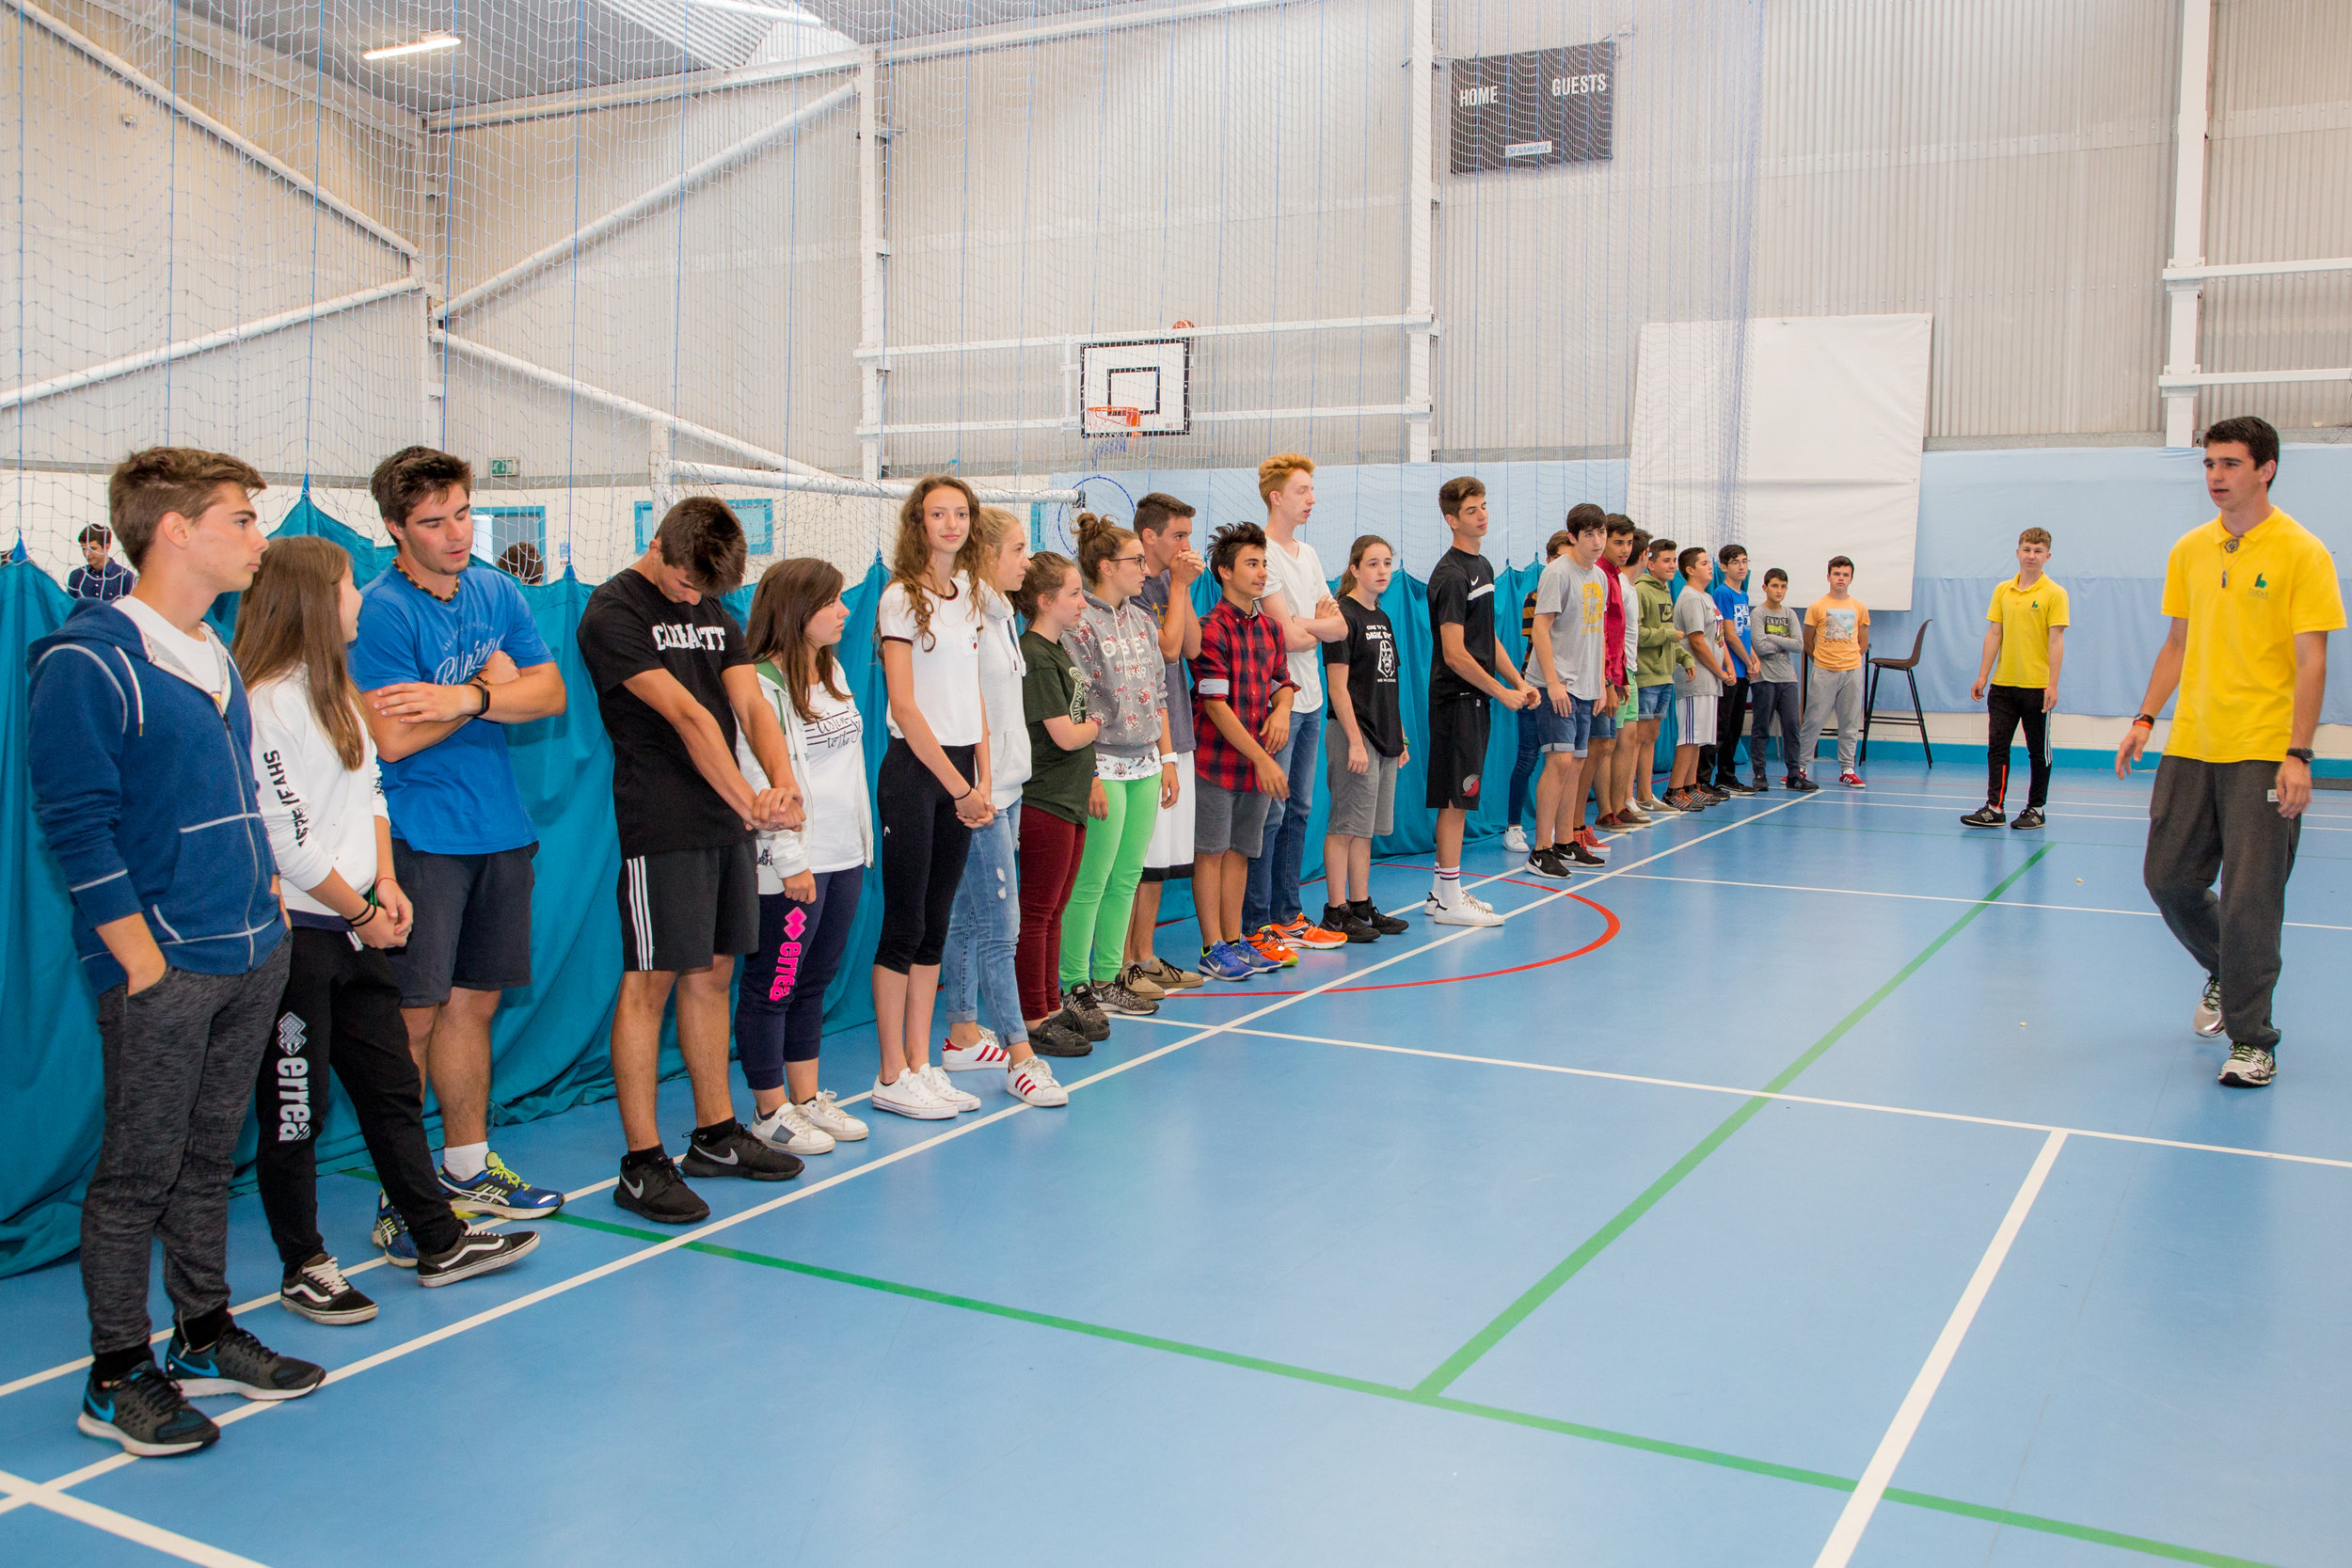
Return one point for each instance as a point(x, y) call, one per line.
point(1126, 561)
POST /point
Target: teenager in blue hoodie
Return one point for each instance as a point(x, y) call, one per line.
point(144, 786)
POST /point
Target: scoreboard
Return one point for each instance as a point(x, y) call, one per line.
point(1535, 107)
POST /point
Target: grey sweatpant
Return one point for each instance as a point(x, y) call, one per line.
point(2206, 816)
point(1837, 691)
point(180, 1060)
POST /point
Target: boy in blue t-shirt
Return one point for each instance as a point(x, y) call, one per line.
point(1730, 593)
point(447, 657)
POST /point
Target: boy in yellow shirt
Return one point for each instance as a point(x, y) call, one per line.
point(2028, 636)
point(2253, 596)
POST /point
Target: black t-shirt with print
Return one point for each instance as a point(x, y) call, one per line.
point(1461, 592)
point(659, 797)
point(1368, 651)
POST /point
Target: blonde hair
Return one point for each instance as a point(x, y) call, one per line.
point(1275, 471)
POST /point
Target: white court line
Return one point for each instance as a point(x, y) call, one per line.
point(393, 1352)
point(1943, 898)
point(1736, 1092)
point(82, 1363)
point(22, 1492)
point(1855, 1519)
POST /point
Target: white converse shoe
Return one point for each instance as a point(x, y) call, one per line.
point(986, 1052)
point(935, 1080)
point(825, 1113)
point(1515, 839)
point(1033, 1082)
point(910, 1096)
point(1470, 911)
point(787, 1128)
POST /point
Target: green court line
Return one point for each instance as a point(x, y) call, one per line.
point(1569, 1267)
point(1584, 1431)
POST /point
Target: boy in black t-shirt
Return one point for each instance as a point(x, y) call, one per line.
point(1367, 743)
point(672, 681)
point(1462, 675)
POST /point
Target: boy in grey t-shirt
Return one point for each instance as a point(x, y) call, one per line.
point(1698, 686)
point(1777, 631)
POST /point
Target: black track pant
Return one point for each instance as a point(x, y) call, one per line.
point(2008, 707)
point(341, 1005)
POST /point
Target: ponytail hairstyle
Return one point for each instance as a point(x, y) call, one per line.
point(1356, 557)
point(1099, 540)
point(993, 527)
point(1047, 573)
point(911, 556)
point(790, 595)
point(292, 622)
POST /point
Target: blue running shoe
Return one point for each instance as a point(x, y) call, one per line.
point(1225, 962)
point(391, 1237)
point(145, 1413)
point(500, 1191)
point(1258, 959)
point(238, 1363)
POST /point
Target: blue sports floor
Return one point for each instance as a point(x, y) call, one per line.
point(1824, 1182)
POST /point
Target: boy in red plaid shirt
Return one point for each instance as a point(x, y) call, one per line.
point(1241, 697)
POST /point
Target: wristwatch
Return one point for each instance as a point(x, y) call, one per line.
point(2301, 754)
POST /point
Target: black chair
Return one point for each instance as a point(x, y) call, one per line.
point(1910, 669)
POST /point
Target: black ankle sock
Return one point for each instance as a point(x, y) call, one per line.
point(637, 1159)
point(204, 1332)
point(113, 1366)
point(716, 1130)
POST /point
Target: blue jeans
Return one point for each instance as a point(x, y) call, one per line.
point(1272, 890)
point(1523, 766)
point(976, 975)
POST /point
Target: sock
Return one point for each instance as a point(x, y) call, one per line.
point(203, 1332)
point(113, 1366)
point(716, 1130)
point(637, 1159)
point(1332, 916)
point(464, 1162)
point(1448, 887)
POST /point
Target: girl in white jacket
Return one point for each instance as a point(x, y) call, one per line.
point(809, 881)
point(323, 807)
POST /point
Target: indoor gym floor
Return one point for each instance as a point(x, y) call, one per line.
point(1824, 1172)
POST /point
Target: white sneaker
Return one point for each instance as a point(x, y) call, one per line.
point(910, 1096)
point(2206, 1020)
point(935, 1080)
point(988, 1050)
point(1463, 899)
point(1470, 911)
point(1515, 839)
point(1655, 809)
point(787, 1128)
point(1033, 1081)
point(825, 1113)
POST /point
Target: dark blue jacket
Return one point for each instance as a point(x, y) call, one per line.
point(145, 793)
point(107, 584)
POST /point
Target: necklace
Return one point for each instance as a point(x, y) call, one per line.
point(402, 567)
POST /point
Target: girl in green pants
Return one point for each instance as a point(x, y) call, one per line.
point(1116, 647)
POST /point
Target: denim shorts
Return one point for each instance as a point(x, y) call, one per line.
point(1657, 699)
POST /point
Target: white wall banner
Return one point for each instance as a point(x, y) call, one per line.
point(1831, 414)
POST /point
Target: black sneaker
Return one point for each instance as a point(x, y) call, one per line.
point(2027, 819)
point(1339, 918)
point(1577, 852)
point(1798, 783)
point(238, 1363)
point(1059, 1035)
point(1114, 997)
point(146, 1413)
point(1985, 817)
point(1715, 793)
point(1546, 860)
point(656, 1191)
point(1759, 786)
point(1081, 1005)
point(1728, 787)
point(318, 1290)
point(734, 1151)
point(1377, 918)
point(476, 1252)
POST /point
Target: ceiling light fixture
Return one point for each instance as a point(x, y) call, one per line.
point(422, 46)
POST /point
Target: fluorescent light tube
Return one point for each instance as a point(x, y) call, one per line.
point(422, 46)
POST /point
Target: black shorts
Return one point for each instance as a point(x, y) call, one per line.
point(683, 908)
point(1458, 752)
point(472, 929)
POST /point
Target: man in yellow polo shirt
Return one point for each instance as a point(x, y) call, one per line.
point(2253, 596)
point(2028, 636)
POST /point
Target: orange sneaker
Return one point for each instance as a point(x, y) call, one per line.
point(1269, 945)
point(1303, 932)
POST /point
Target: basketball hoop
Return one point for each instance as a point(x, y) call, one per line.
point(1111, 427)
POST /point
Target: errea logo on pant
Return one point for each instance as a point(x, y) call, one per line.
point(293, 1081)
